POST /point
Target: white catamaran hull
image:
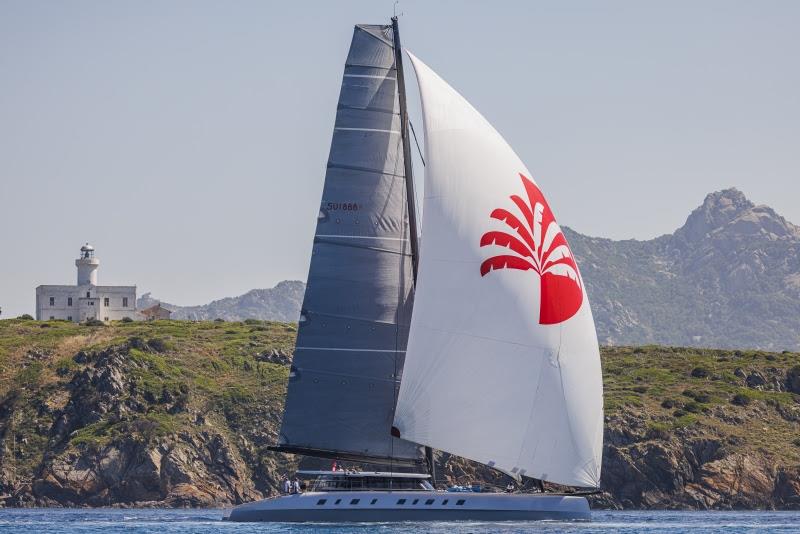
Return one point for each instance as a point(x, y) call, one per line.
point(383, 506)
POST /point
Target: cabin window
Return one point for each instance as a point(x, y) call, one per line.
point(124, 302)
point(52, 318)
point(69, 301)
point(401, 501)
point(321, 502)
point(444, 502)
point(88, 295)
point(354, 501)
point(105, 301)
point(460, 502)
point(69, 317)
point(338, 501)
point(429, 502)
point(52, 301)
point(105, 319)
point(415, 501)
point(373, 501)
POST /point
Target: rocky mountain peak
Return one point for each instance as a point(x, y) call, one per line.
point(731, 213)
point(718, 209)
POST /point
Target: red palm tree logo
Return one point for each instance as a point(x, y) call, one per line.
point(539, 246)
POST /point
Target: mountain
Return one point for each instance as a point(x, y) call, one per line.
point(729, 277)
point(170, 413)
point(280, 303)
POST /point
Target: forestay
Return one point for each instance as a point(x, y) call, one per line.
point(357, 307)
point(503, 364)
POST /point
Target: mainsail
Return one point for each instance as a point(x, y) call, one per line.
point(503, 364)
point(356, 312)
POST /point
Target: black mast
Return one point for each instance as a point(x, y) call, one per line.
point(410, 196)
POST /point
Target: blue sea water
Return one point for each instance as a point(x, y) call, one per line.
point(108, 521)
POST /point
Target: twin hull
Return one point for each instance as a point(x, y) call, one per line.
point(388, 506)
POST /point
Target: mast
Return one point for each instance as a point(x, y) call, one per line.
point(411, 198)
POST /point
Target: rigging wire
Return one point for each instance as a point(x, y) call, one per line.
point(416, 142)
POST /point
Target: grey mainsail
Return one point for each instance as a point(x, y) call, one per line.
point(356, 312)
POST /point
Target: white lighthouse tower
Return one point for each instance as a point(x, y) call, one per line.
point(87, 266)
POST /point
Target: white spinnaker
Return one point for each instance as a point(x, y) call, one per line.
point(483, 379)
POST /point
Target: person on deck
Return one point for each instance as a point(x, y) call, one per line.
point(296, 486)
point(287, 486)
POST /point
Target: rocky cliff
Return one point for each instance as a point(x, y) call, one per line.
point(180, 414)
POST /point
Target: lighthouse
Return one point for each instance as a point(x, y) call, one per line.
point(87, 266)
point(86, 300)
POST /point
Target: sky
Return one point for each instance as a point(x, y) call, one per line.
point(187, 140)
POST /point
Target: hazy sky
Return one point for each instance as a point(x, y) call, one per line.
point(187, 140)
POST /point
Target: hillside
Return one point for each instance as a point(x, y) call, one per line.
point(280, 303)
point(729, 277)
point(180, 414)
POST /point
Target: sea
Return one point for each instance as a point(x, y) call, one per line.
point(108, 521)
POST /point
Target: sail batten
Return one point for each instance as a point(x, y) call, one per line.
point(356, 312)
point(502, 365)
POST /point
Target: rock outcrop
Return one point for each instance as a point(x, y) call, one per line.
point(182, 414)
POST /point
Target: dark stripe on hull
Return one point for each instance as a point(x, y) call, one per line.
point(392, 515)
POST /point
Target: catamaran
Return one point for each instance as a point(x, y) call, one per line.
point(476, 339)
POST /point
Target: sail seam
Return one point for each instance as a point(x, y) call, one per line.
point(362, 169)
point(352, 318)
point(363, 237)
point(374, 130)
point(367, 66)
point(369, 76)
point(365, 247)
point(368, 108)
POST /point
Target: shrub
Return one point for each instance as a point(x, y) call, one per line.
point(94, 322)
point(127, 320)
point(640, 389)
point(796, 442)
point(740, 399)
point(158, 345)
point(702, 397)
point(25, 317)
point(692, 407)
point(252, 321)
point(668, 404)
point(700, 372)
point(137, 343)
point(678, 413)
point(793, 379)
point(219, 320)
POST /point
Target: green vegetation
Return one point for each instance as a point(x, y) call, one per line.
point(174, 377)
point(169, 374)
point(749, 396)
